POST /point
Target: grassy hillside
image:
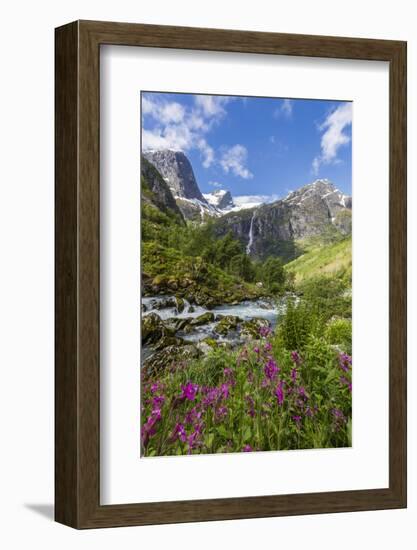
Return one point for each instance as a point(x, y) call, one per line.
point(322, 260)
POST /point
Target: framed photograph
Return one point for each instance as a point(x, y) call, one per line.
point(230, 274)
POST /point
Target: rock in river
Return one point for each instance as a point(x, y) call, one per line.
point(204, 319)
point(167, 358)
point(153, 329)
point(250, 329)
point(227, 323)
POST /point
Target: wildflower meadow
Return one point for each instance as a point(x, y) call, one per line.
point(259, 398)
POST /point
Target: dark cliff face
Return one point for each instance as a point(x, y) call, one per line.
point(226, 201)
point(177, 171)
point(156, 191)
point(274, 229)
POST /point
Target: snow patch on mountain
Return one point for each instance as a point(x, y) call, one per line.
point(220, 198)
point(244, 202)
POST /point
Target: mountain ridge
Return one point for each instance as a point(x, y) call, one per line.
point(277, 228)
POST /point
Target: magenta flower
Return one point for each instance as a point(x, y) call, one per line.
point(194, 439)
point(309, 412)
point(189, 391)
point(279, 392)
point(247, 449)
point(271, 369)
point(158, 401)
point(294, 374)
point(338, 419)
point(221, 412)
point(224, 389)
point(179, 433)
point(267, 347)
point(264, 331)
point(345, 362)
point(148, 428)
point(345, 382)
point(154, 387)
point(302, 392)
point(296, 357)
point(192, 416)
point(212, 395)
point(337, 413)
point(256, 350)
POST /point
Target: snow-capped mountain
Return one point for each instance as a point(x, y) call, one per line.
point(264, 221)
point(220, 198)
point(323, 188)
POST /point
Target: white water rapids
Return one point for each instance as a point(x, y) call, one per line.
point(246, 310)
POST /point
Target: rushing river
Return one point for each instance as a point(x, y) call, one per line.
point(247, 310)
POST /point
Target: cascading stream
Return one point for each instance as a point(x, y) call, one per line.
point(250, 242)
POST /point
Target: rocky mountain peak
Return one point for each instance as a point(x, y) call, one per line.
point(323, 191)
point(221, 199)
point(177, 171)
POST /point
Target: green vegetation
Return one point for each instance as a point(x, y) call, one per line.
point(322, 259)
point(192, 260)
point(284, 389)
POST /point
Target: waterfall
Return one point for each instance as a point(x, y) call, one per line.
point(249, 245)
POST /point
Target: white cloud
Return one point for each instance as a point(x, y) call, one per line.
point(285, 109)
point(184, 128)
point(234, 160)
point(164, 112)
point(250, 201)
point(176, 137)
point(211, 105)
point(207, 152)
point(181, 128)
point(215, 184)
point(172, 112)
point(334, 136)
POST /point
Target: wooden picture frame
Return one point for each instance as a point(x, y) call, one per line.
point(77, 374)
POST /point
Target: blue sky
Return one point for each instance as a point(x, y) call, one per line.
point(251, 145)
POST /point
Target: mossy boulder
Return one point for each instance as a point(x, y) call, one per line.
point(180, 304)
point(203, 319)
point(227, 324)
point(169, 301)
point(172, 284)
point(160, 334)
point(169, 358)
point(168, 340)
point(153, 328)
point(186, 282)
point(177, 323)
point(210, 342)
point(250, 329)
